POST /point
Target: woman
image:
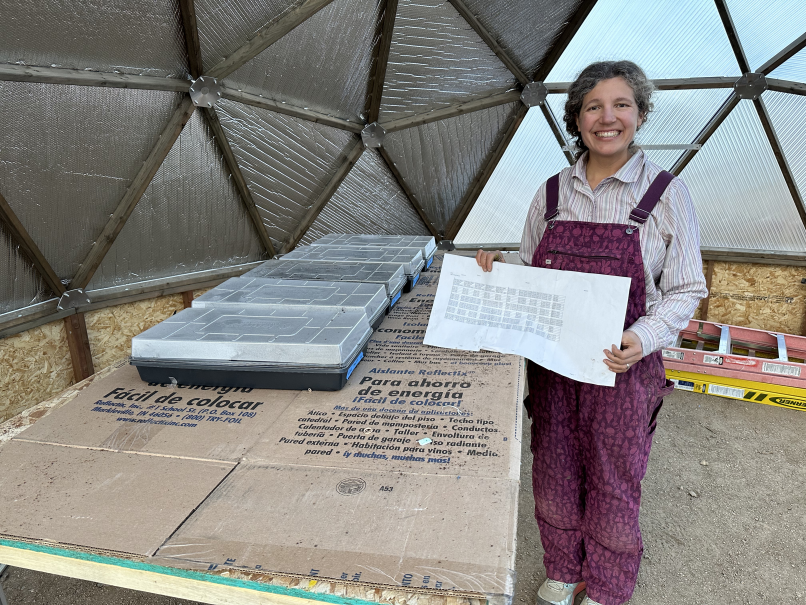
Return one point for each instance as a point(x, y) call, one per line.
point(613, 212)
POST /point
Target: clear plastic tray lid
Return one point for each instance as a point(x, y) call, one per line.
point(287, 293)
point(426, 243)
point(410, 258)
point(322, 337)
point(390, 276)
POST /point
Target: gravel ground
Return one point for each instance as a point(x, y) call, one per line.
point(740, 540)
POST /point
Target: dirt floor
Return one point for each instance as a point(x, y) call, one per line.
point(730, 531)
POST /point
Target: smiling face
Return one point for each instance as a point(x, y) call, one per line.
point(608, 120)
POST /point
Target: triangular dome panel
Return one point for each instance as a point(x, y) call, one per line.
point(524, 28)
point(739, 192)
point(189, 219)
point(143, 37)
point(788, 115)
point(437, 59)
point(369, 200)
point(224, 27)
point(67, 156)
point(317, 65)
point(439, 160)
point(668, 40)
point(532, 157)
point(286, 162)
point(794, 69)
point(764, 28)
point(21, 284)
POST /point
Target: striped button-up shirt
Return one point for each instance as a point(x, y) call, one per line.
point(670, 239)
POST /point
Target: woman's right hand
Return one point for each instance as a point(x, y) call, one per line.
point(485, 259)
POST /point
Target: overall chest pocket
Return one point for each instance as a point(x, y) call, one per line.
point(585, 261)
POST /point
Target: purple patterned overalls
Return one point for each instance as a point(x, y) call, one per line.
point(591, 443)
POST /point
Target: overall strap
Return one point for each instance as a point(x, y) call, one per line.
point(552, 198)
point(641, 212)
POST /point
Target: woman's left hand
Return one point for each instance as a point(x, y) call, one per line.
point(619, 360)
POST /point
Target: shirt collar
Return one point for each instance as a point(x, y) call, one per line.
point(629, 173)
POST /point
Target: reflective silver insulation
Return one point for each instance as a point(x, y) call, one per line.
point(667, 39)
point(440, 159)
point(369, 200)
point(286, 162)
point(143, 37)
point(764, 28)
point(319, 65)
point(437, 59)
point(67, 155)
point(787, 114)
point(741, 197)
point(20, 283)
point(189, 219)
point(524, 28)
point(226, 25)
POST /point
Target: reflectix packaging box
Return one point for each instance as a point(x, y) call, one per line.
point(261, 293)
point(426, 243)
point(410, 258)
point(274, 348)
point(391, 277)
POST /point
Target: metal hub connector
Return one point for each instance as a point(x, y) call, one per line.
point(73, 299)
point(373, 135)
point(534, 94)
point(205, 91)
point(750, 86)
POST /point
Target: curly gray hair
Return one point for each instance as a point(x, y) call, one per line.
point(587, 80)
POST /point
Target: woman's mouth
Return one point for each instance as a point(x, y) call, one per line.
point(607, 134)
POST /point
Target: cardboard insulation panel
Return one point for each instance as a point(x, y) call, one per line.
point(34, 366)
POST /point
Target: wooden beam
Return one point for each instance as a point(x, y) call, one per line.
point(79, 343)
point(665, 84)
point(789, 178)
point(478, 183)
point(728, 106)
point(452, 111)
point(557, 131)
point(733, 36)
point(248, 98)
point(378, 77)
point(133, 194)
point(795, 88)
point(295, 236)
point(29, 249)
point(76, 77)
point(267, 36)
point(410, 194)
point(790, 51)
point(563, 39)
point(709, 274)
point(187, 299)
point(188, 10)
point(488, 38)
point(238, 179)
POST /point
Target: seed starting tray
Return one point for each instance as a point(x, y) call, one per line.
point(262, 293)
point(391, 277)
point(410, 258)
point(426, 243)
point(275, 348)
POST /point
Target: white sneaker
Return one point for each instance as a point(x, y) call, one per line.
point(588, 601)
point(552, 592)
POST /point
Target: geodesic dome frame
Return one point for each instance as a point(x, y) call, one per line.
point(324, 116)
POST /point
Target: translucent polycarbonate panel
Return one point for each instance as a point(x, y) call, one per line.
point(788, 115)
point(532, 157)
point(317, 65)
point(144, 37)
point(794, 69)
point(20, 284)
point(67, 156)
point(667, 39)
point(436, 59)
point(189, 219)
point(369, 200)
point(524, 28)
point(765, 28)
point(286, 162)
point(438, 161)
point(226, 25)
point(741, 197)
